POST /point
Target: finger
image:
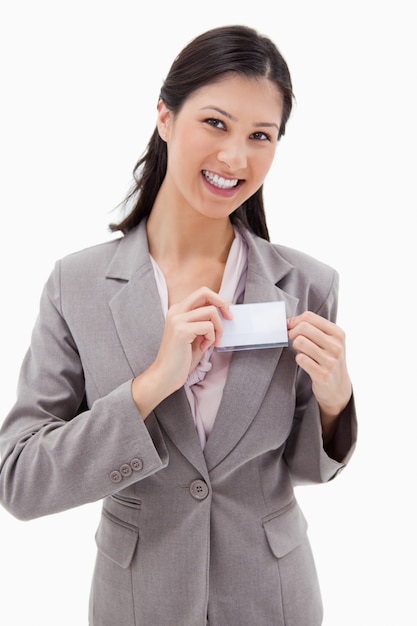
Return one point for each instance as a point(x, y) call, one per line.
point(203, 297)
point(204, 332)
point(306, 329)
point(205, 313)
point(304, 345)
point(318, 321)
point(309, 365)
point(324, 353)
point(324, 349)
point(305, 335)
point(327, 336)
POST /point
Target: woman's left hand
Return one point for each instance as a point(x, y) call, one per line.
point(321, 352)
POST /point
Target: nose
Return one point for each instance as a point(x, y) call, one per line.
point(233, 154)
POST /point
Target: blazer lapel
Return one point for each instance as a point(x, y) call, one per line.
point(136, 306)
point(250, 371)
point(139, 321)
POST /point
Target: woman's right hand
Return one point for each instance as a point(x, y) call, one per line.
point(191, 327)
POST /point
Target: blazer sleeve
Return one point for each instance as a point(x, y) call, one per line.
point(55, 452)
point(305, 455)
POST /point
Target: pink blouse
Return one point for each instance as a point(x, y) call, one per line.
point(204, 385)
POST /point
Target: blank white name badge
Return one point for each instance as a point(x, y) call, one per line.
point(255, 325)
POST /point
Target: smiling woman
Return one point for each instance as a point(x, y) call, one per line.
point(124, 396)
point(211, 57)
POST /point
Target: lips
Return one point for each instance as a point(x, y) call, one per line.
point(219, 181)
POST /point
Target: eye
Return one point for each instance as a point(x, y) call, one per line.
point(212, 121)
point(260, 136)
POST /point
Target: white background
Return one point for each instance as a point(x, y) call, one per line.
point(79, 84)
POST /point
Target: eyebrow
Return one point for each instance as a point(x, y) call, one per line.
point(233, 119)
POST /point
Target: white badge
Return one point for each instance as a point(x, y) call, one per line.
point(255, 325)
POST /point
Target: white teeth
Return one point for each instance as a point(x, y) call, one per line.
point(219, 181)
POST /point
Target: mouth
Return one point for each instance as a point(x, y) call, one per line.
point(219, 181)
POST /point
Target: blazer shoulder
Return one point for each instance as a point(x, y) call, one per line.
point(311, 280)
point(81, 275)
point(282, 260)
point(305, 264)
point(92, 260)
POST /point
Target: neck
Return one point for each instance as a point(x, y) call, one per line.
point(181, 238)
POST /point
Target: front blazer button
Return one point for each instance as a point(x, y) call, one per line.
point(136, 465)
point(199, 489)
point(125, 469)
point(115, 476)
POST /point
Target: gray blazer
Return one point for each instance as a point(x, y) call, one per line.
point(184, 534)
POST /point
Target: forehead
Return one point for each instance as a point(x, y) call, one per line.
point(240, 96)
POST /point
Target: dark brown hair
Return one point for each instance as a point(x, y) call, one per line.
point(229, 49)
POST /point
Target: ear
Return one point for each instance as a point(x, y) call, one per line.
point(164, 120)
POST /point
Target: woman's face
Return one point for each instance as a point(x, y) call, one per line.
point(221, 144)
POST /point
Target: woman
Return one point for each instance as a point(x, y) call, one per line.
point(123, 395)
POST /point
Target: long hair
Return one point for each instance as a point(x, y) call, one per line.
point(229, 49)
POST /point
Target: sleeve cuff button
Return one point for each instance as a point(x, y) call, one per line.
point(115, 476)
point(136, 464)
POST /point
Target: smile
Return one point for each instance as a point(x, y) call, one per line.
point(219, 181)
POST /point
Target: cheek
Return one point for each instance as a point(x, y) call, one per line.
point(265, 163)
point(177, 155)
point(184, 150)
